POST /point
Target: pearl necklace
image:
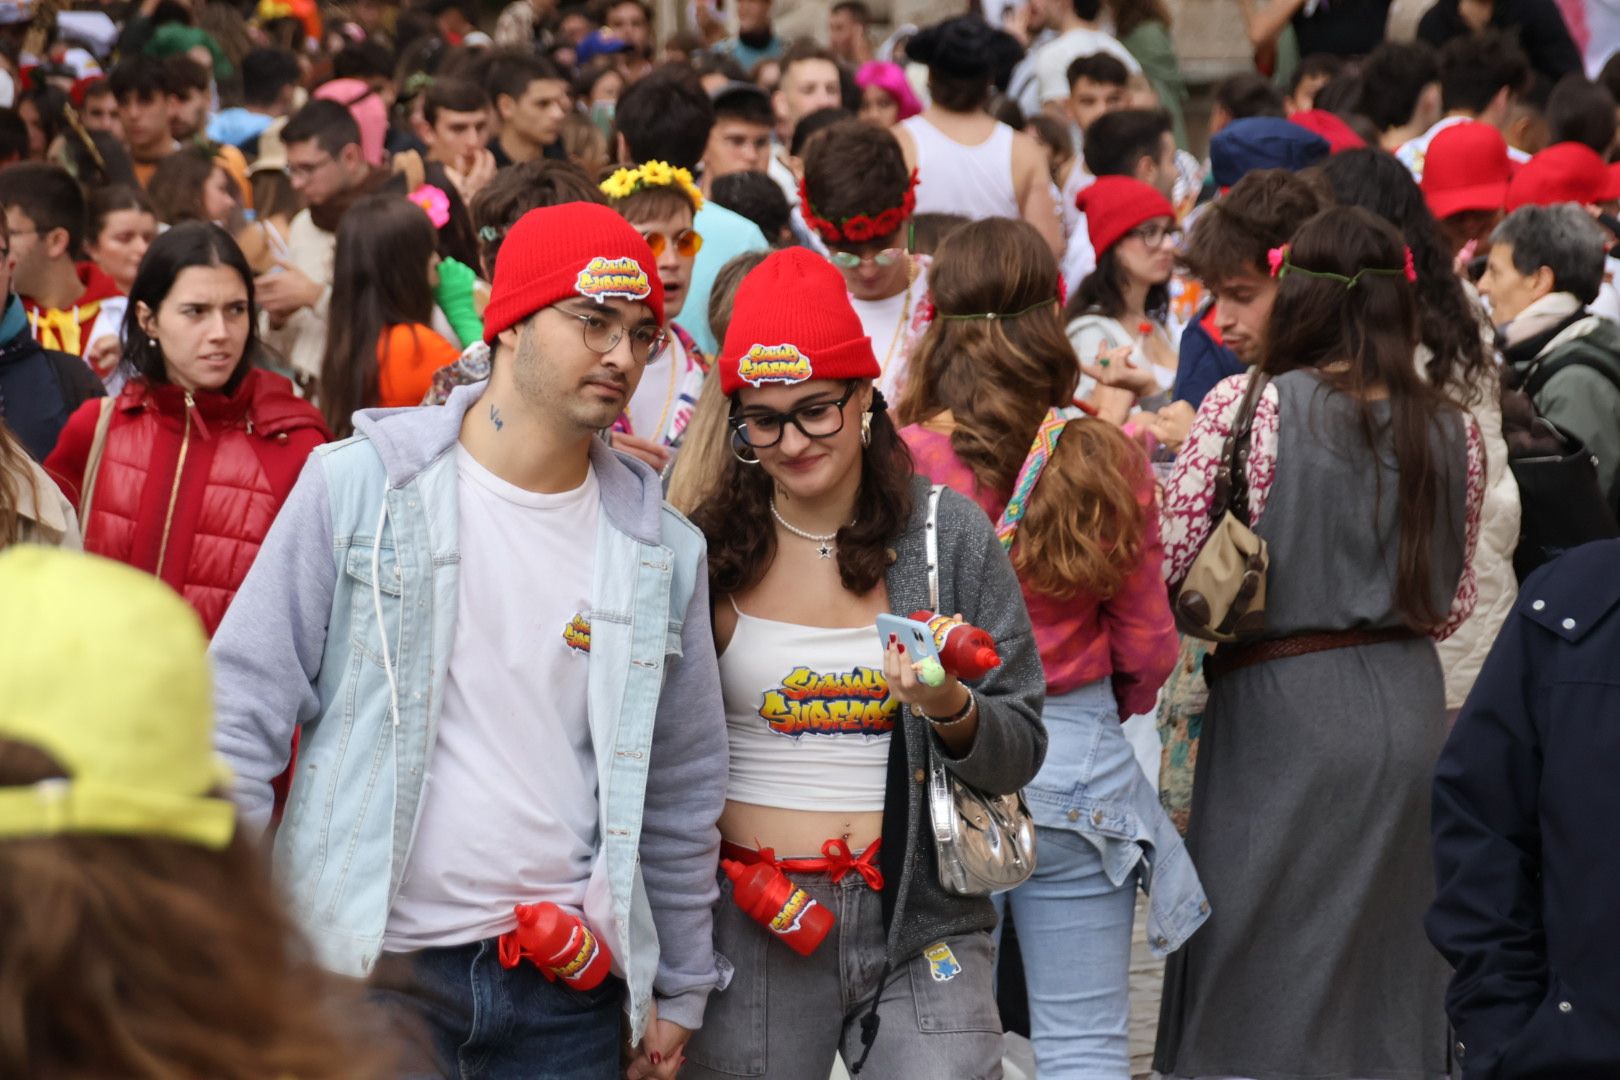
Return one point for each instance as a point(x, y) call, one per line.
point(824, 539)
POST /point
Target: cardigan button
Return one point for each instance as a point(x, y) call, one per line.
point(920, 776)
point(1565, 1007)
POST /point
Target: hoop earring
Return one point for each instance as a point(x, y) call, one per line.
point(736, 453)
point(866, 428)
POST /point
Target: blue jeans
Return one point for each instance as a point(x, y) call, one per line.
point(467, 1018)
point(1075, 914)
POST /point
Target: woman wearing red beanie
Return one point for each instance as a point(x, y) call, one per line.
point(1124, 302)
point(818, 527)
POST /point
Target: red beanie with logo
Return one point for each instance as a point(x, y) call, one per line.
point(575, 249)
point(791, 322)
point(1114, 205)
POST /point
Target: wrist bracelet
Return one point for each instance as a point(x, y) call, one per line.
point(958, 716)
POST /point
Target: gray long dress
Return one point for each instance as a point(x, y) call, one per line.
point(1310, 810)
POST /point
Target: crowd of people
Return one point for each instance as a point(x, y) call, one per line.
point(575, 750)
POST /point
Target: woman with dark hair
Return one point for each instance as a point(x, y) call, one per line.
point(190, 186)
point(1124, 304)
point(857, 195)
point(140, 934)
point(42, 108)
point(993, 376)
point(971, 163)
point(1143, 27)
point(1455, 352)
point(382, 352)
point(122, 228)
point(182, 473)
point(816, 528)
point(1311, 799)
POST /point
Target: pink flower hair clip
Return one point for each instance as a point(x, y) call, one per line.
point(434, 203)
point(1277, 258)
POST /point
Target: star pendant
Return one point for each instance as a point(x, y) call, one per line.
point(826, 550)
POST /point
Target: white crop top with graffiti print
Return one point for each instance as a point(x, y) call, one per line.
point(808, 714)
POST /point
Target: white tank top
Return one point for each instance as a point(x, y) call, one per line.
point(974, 181)
point(808, 715)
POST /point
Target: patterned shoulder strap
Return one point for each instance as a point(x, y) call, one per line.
point(1040, 453)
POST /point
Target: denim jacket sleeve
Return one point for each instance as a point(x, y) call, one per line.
point(680, 840)
point(978, 581)
point(268, 648)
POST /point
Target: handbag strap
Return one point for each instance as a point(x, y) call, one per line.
point(1232, 477)
point(1029, 474)
point(931, 540)
point(92, 464)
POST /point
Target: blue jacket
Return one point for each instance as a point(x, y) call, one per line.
point(1203, 362)
point(344, 629)
point(1525, 835)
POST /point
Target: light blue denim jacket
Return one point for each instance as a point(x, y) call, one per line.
point(1090, 784)
point(344, 628)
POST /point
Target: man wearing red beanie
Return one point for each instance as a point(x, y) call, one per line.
point(494, 638)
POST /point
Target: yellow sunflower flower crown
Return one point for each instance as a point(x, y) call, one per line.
point(626, 182)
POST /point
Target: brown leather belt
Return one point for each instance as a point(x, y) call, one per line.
point(1229, 658)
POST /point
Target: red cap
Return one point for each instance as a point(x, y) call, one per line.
point(1340, 136)
point(1564, 172)
point(1466, 168)
point(1114, 205)
point(574, 249)
point(791, 322)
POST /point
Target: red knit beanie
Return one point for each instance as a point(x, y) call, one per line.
point(575, 249)
point(791, 322)
point(1114, 205)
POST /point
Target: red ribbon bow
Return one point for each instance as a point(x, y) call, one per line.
point(837, 863)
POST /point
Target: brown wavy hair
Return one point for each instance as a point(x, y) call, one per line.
point(1083, 529)
point(1361, 340)
point(14, 472)
point(736, 516)
point(153, 959)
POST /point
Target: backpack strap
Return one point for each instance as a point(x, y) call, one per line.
point(1578, 354)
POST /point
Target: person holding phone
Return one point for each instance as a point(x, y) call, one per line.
point(817, 527)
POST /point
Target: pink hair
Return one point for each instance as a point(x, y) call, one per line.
point(891, 79)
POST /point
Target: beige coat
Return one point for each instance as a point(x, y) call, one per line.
point(46, 515)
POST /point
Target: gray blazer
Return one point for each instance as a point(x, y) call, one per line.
point(976, 579)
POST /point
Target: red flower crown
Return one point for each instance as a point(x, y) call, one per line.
point(860, 228)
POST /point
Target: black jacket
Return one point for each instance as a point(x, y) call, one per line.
point(39, 389)
point(1537, 25)
point(1526, 841)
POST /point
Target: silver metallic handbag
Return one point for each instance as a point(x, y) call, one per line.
point(985, 844)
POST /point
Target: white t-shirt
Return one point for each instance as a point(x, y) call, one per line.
point(509, 804)
point(893, 337)
point(1053, 60)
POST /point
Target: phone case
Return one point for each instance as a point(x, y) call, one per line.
point(916, 636)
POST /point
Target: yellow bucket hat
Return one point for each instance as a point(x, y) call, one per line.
point(105, 669)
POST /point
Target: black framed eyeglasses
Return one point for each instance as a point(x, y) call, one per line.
point(604, 330)
point(817, 420)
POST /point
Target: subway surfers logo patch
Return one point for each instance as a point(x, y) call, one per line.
point(836, 703)
point(577, 634)
point(792, 914)
point(773, 364)
point(603, 278)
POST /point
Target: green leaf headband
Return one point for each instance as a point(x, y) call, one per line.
point(1282, 265)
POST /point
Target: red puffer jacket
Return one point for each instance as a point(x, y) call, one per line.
point(189, 483)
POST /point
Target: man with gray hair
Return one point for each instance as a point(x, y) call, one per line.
point(1545, 267)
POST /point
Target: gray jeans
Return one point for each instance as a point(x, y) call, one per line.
point(784, 1015)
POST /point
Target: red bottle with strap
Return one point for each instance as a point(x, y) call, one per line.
point(559, 944)
point(770, 898)
point(965, 651)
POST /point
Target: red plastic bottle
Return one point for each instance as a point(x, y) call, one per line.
point(964, 650)
point(557, 943)
point(772, 900)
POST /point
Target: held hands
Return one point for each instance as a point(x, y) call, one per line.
point(284, 291)
point(662, 1050)
point(900, 671)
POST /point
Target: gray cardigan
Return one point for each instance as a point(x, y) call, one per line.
point(976, 579)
